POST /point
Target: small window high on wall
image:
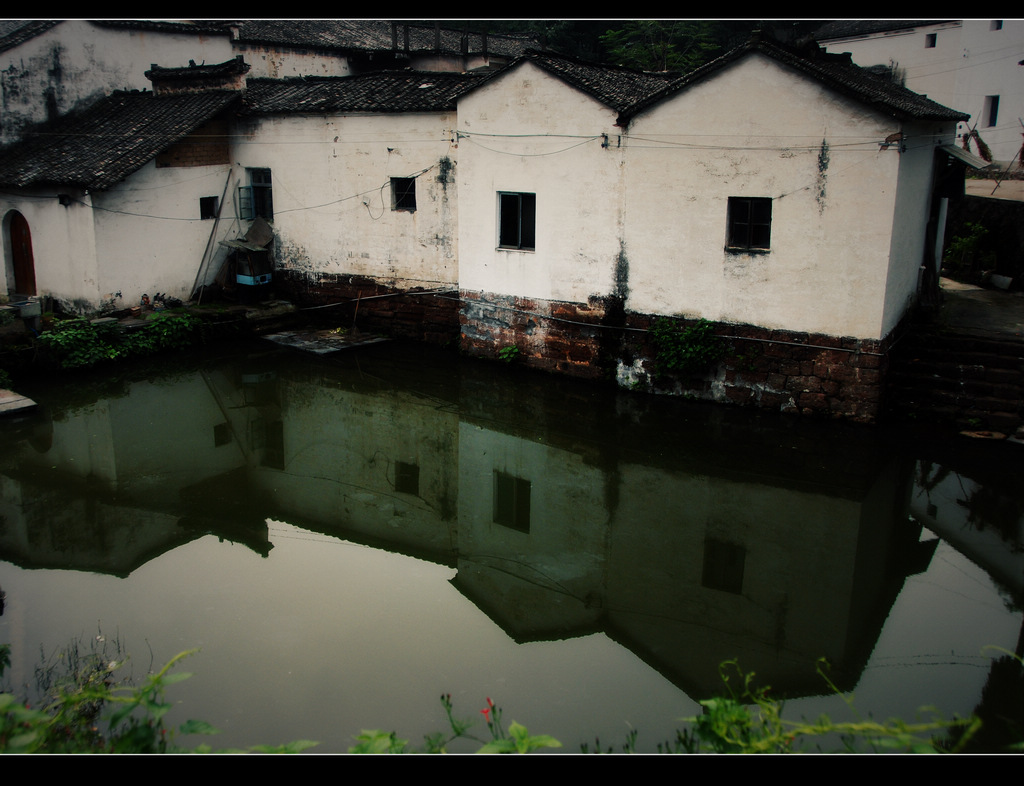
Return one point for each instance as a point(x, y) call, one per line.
point(517, 221)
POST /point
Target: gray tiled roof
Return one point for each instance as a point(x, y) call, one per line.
point(372, 35)
point(105, 143)
point(837, 72)
point(386, 91)
point(14, 32)
point(613, 86)
point(843, 28)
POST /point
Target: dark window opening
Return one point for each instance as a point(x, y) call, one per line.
point(511, 501)
point(517, 221)
point(930, 40)
point(997, 24)
point(257, 198)
point(723, 566)
point(208, 207)
point(991, 110)
point(407, 478)
point(221, 435)
point(403, 193)
point(750, 222)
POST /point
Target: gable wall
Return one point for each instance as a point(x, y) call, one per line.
point(833, 195)
point(78, 61)
point(529, 132)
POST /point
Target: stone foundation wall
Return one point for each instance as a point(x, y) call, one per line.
point(786, 371)
point(421, 314)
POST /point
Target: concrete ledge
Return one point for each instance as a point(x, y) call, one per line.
point(11, 402)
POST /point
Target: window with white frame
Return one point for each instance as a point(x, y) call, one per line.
point(750, 223)
point(257, 198)
point(517, 221)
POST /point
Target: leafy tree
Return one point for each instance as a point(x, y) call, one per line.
point(662, 45)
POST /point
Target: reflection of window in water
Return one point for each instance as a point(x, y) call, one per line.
point(723, 566)
point(221, 434)
point(407, 478)
point(511, 501)
point(268, 436)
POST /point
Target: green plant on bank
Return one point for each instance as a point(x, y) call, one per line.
point(79, 343)
point(965, 253)
point(516, 740)
point(685, 350)
point(85, 709)
point(509, 353)
point(746, 719)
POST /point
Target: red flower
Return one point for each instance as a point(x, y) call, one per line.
point(486, 716)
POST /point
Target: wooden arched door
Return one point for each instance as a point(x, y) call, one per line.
point(21, 255)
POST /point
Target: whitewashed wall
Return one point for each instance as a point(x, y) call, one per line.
point(63, 245)
point(142, 237)
point(275, 63)
point(757, 130)
point(529, 132)
point(332, 198)
point(149, 234)
point(78, 60)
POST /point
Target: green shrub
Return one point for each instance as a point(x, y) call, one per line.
point(79, 343)
point(685, 351)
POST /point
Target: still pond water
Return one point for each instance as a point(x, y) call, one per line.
point(347, 537)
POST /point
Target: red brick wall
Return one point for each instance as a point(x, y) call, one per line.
point(787, 371)
point(423, 315)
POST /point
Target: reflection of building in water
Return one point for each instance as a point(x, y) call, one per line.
point(689, 535)
point(688, 546)
point(984, 521)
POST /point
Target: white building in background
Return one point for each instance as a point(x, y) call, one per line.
point(974, 65)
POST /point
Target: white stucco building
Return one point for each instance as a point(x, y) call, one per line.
point(771, 190)
point(785, 195)
point(973, 65)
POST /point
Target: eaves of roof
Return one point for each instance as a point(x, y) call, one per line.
point(847, 28)
point(834, 71)
point(112, 138)
point(614, 86)
point(18, 34)
point(384, 91)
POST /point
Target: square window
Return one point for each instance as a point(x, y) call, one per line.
point(208, 207)
point(511, 501)
point(403, 193)
point(930, 40)
point(997, 24)
point(517, 221)
point(991, 111)
point(750, 222)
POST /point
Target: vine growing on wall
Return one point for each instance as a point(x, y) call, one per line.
point(685, 350)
